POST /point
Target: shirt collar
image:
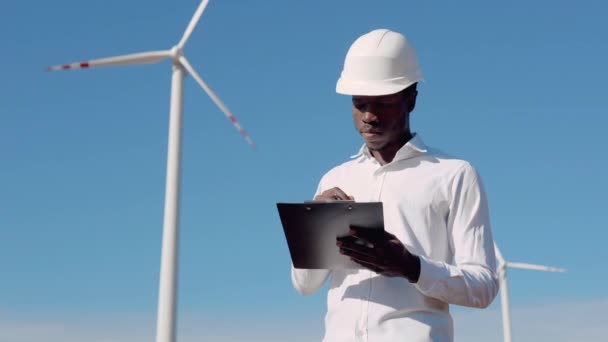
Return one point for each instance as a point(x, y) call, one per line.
point(412, 148)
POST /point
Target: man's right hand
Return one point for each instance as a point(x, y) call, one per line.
point(334, 194)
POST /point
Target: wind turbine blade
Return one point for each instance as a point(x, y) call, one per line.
point(192, 24)
point(134, 58)
point(534, 267)
point(215, 99)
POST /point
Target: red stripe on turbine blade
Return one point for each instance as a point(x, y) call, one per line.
point(232, 119)
point(65, 66)
point(84, 64)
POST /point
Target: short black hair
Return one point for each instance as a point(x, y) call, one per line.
point(411, 89)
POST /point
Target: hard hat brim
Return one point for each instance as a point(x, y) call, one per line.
point(371, 88)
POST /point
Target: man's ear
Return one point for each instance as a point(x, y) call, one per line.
point(410, 101)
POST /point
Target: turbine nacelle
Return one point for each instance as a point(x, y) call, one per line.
point(175, 53)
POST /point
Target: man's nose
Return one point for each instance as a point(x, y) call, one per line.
point(369, 116)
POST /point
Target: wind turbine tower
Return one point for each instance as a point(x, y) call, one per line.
point(504, 291)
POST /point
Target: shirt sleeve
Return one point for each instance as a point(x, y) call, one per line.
point(308, 281)
point(471, 280)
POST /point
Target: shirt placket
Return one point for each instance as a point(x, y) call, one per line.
point(361, 330)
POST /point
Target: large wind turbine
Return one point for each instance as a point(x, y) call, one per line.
point(167, 296)
point(504, 291)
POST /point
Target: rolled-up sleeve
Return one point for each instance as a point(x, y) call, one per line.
point(471, 280)
point(308, 281)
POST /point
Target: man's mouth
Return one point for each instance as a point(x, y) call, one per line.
point(370, 133)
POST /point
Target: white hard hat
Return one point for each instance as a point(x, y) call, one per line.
point(380, 62)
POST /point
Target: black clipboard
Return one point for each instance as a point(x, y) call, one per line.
point(311, 229)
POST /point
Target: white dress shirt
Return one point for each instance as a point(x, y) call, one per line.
point(436, 206)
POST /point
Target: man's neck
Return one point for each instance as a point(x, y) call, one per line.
point(387, 154)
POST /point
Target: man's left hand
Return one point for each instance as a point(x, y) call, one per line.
point(380, 252)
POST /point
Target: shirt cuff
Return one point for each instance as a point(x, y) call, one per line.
point(433, 276)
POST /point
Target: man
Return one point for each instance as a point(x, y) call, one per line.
point(437, 248)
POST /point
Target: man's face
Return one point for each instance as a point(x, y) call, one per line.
point(381, 120)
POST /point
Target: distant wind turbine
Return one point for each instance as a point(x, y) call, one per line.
point(167, 297)
point(504, 291)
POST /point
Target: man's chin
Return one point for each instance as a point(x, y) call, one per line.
point(374, 145)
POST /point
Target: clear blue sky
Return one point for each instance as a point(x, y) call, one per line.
point(517, 88)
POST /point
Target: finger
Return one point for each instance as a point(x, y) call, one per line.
point(390, 236)
point(325, 196)
point(353, 241)
point(338, 194)
point(334, 194)
point(357, 252)
point(374, 236)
